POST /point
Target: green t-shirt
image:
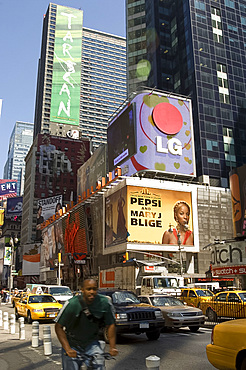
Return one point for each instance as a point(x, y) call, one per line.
point(81, 330)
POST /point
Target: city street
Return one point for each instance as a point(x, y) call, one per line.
point(177, 349)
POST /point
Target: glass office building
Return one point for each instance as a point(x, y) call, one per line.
point(19, 144)
point(197, 49)
point(79, 87)
point(103, 84)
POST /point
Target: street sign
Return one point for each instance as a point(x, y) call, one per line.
point(14, 273)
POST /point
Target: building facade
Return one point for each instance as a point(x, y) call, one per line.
point(77, 92)
point(51, 170)
point(103, 84)
point(19, 144)
point(196, 48)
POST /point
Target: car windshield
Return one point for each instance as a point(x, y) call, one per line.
point(242, 296)
point(60, 290)
point(124, 298)
point(164, 282)
point(41, 299)
point(204, 293)
point(165, 301)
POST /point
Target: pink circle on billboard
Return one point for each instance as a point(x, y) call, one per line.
point(167, 118)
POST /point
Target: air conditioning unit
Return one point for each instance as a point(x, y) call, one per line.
point(204, 179)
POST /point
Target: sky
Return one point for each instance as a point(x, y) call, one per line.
point(20, 40)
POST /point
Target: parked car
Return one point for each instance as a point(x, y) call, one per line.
point(194, 296)
point(133, 317)
point(228, 346)
point(175, 312)
point(17, 297)
point(37, 307)
point(229, 304)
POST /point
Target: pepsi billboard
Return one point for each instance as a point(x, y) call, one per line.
point(163, 133)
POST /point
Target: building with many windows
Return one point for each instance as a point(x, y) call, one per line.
point(81, 77)
point(103, 84)
point(19, 144)
point(197, 49)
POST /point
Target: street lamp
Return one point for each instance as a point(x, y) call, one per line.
point(179, 245)
point(12, 242)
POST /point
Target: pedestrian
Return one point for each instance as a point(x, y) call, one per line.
point(78, 324)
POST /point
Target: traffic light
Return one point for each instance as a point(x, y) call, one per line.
point(125, 257)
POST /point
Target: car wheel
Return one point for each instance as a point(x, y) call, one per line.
point(194, 329)
point(16, 314)
point(153, 335)
point(243, 364)
point(212, 316)
point(29, 317)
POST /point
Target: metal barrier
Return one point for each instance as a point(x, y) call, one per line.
point(47, 340)
point(35, 334)
point(218, 311)
point(22, 335)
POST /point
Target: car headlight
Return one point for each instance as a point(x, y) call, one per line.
point(199, 313)
point(174, 314)
point(37, 310)
point(121, 316)
point(158, 315)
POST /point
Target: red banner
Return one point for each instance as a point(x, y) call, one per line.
point(229, 270)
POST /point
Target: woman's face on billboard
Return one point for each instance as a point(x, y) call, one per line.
point(183, 214)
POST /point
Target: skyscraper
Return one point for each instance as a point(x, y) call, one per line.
point(103, 85)
point(81, 77)
point(19, 144)
point(196, 48)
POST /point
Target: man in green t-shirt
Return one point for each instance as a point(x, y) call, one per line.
point(78, 323)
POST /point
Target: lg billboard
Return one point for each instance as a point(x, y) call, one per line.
point(155, 133)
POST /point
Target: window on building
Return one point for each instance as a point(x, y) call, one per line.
point(216, 25)
point(230, 4)
point(223, 83)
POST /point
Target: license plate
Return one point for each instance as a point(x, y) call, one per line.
point(144, 325)
point(52, 315)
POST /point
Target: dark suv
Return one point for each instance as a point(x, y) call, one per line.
point(132, 316)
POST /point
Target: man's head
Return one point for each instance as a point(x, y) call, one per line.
point(89, 290)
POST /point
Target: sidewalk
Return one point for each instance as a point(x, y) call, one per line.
point(16, 354)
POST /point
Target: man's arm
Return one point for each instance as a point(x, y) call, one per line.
point(112, 340)
point(61, 335)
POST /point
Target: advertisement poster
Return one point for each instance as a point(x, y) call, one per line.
point(65, 97)
point(14, 206)
point(164, 136)
point(92, 171)
point(31, 259)
point(116, 218)
point(8, 188)
point(146, 215)
point(238, 197)
point(47, 207)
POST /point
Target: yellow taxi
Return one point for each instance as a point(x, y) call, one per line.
point(194, 296)
point(17, 297)
point(231, 304)
point(37, 307)
point(228, 346)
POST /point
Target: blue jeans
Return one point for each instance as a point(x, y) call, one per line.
point(69, 363)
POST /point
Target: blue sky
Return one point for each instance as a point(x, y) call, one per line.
point(20, 35)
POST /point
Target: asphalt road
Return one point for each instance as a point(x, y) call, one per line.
point(177, 349)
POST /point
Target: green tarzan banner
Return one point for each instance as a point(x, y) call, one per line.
point(66, 79)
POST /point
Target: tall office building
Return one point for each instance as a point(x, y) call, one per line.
point(103, 85)
point(19, 144)
point(81, 77)
point(196, 48)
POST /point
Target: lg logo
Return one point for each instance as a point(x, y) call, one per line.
point(168, 120)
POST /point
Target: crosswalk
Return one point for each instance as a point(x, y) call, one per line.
point(186, 332)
